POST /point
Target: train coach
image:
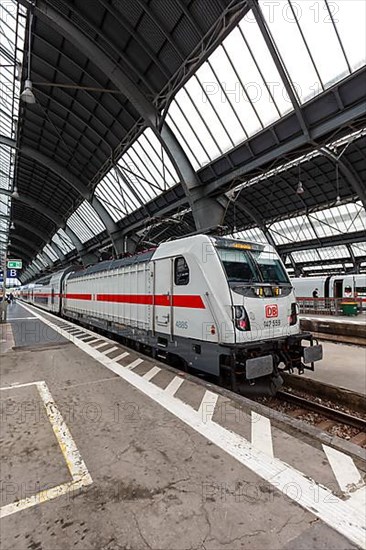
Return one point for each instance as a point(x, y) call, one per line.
point(331, 290)
point(332, 286)
point(217, 305)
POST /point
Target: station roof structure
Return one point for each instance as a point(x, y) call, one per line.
point(124, 124)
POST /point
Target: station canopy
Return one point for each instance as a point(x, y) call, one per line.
point(124, 124)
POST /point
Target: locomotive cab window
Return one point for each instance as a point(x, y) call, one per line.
point(181, 271)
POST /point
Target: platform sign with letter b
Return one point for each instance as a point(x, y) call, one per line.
point(10, 274)
point(15, 264)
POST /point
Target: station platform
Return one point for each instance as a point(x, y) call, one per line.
point(341, 328)
point(343, 366)
point(104, 448)
point(360, 319)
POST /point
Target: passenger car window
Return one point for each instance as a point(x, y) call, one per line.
point(181, 271)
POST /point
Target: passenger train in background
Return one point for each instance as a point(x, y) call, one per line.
point(332, 286)
point(216, 305)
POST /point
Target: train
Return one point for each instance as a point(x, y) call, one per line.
point(210, 304)
point(332, 286)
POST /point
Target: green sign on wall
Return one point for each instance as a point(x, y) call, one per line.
point(15, 264)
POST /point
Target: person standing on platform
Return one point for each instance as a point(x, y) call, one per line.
point(315, 296)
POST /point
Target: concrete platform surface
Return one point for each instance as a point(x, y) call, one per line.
point(360, 319)
point(343, 366)
point(104, 449)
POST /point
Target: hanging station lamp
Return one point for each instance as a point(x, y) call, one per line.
point(300, 187)
point(27, 95)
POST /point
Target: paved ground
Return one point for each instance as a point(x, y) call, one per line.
point(103, 449)
point(343, 366)
point(360, 319)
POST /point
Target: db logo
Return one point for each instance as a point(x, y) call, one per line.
point(272, 311)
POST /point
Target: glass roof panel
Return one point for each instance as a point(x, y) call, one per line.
point(63, 241)
point(116, 198)
point(214, 103)
point(321, 38)
point(42, 260)
point(142, 173)
point(90, 218)
point(233, 95)
point(51, 253)
point(287, 37)
point(192, 122)
point(346, 218)
point(304, 256)
point(232, 98)
point(359, 249)
point(254, 234)
point(79, 227)
point(46, 257)
point(262, 57)
point(130, 166)
point(325, 267)
point(192, 146)
point(334, 252)
point(312, 50)
point(12, 30)
point(292, 230)
point(349, 18)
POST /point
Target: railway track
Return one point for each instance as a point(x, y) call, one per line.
point(324, 410)
point(328, 417)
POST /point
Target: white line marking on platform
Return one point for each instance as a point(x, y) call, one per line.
point(121, 356)
point(76, 465)
point(338, 514)
point(344, 469)
point(207, 406)
point(174, 385)
point(100, 345)
point(132, 365)
point(151, 373)
point(39, 498)
point(20, 318)
point(358, 499)
point(261, 433)
point(92, 341)
point(15, 386)
point(110, 350)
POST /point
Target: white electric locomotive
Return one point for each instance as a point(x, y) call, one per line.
point(218, 305)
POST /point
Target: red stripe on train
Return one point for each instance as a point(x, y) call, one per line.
point(77, 296)
point(182, 300)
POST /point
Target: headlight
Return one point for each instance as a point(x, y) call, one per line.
point(293, 317)
point(241, 318)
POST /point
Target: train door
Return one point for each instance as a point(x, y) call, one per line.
point(163, 297)
point(338, 288)
point(349, 286)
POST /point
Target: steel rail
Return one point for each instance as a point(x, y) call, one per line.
point(333, 414)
